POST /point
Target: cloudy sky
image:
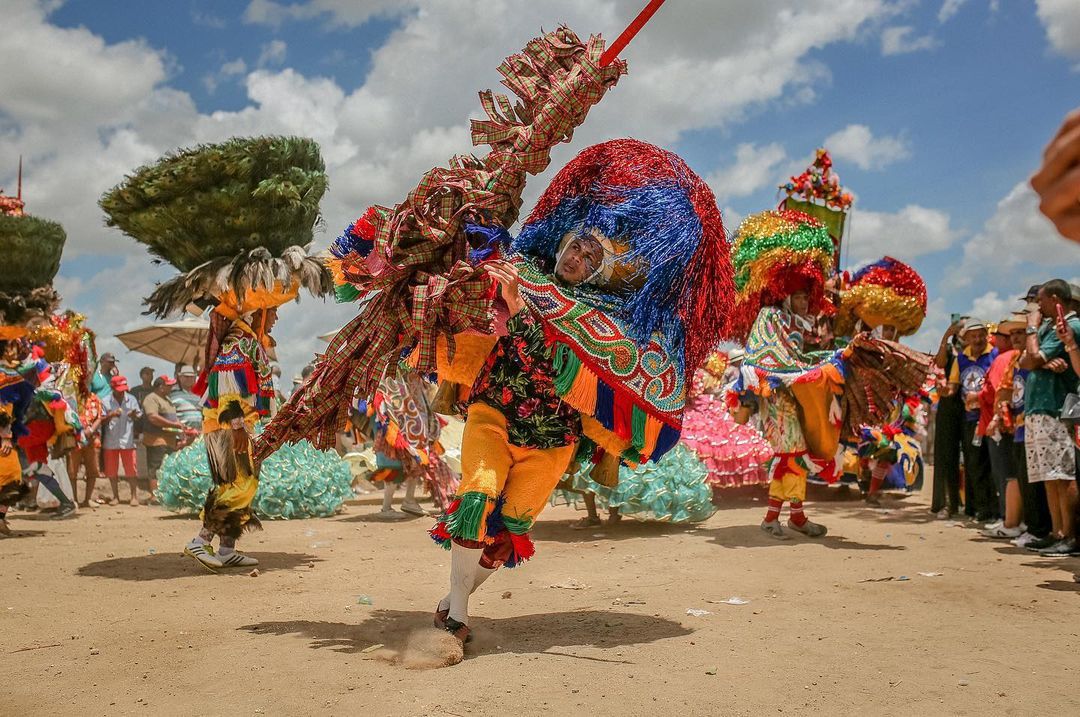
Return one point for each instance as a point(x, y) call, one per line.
point(935, 112)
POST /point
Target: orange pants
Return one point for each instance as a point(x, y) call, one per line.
point(490, 464)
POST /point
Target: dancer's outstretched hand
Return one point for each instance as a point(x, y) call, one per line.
point(507, 275)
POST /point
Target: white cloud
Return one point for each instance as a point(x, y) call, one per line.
point(858, 145)
point(44, 64)
point(272, 53)
point(1017, 246)
point(899, 40)
point(1061, 18)
point(949, 8)
point(209, 20)
point(85, 112)
point(351, 13)
point(909, 233)
point(754, 168)
point(228, 71)
point(992, 306)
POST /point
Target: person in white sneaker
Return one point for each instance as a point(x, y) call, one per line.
point(237, 390)
point(1050, 449)
point(1002, 406)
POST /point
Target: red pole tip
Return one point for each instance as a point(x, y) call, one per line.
point(628, 34)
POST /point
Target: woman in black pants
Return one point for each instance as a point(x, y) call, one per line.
point(948, 432)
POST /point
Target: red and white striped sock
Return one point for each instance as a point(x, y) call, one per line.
point(773, 513)
point(798, 517)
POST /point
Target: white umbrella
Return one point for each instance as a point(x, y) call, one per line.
point(180, 341)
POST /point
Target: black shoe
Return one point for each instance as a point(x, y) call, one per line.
point(458, 629)
point(1044, 542)
point(66, 510)
point(1062, 549)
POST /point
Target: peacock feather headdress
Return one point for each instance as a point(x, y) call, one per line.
point(231, 217)
point(30, 249)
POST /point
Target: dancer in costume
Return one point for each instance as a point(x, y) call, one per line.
point(69, 345)
point(295, 482)
point(734, 454)
point(407, 447)
point(16, 395)
point(673, 490)
point(806, 400)
point(887, 297)
point(611, 296)
point(30, 249)
point(235, 219)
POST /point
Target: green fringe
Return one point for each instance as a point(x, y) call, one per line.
point(566, 365)
point(517, 526)
point(345, 293)
point(465, 521)
point(638, 419)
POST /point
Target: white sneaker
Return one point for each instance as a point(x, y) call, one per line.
point(1002, 532)
point(994, 525)
point(201, 552)
point(237, 560)
point(1023, 539)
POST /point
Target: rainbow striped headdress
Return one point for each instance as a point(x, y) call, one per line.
point(887, 292)
point(671, 268)
point(777, 253)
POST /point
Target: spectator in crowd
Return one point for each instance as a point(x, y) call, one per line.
point(948, 429)
point(162, 428)
point(146, 387)
point(187, 404)
point(966, 377)
point(86, 456)
point(106, 369)
point(140, 392)
point(121, 413)
point(1049, 447)
point(1001, 424)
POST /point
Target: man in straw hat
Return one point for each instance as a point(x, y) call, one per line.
point(966, 379)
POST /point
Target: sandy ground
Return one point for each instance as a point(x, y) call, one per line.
point(102, 615)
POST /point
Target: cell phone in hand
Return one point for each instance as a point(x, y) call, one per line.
point(1060, 313)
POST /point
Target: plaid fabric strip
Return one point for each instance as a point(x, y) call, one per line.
point(418, 264)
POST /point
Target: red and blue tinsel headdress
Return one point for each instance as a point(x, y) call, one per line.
point(673, 267)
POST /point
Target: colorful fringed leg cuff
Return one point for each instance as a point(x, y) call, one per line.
point(476, 518)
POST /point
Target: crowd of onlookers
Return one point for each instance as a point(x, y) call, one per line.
point(131, 429)
point(1005, 431)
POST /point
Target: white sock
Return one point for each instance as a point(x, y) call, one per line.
point(464, 565)
point(410, 491)
point(223, 551)
point(482, 574)
point(388, 495)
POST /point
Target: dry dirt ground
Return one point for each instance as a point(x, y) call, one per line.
point(102, 615)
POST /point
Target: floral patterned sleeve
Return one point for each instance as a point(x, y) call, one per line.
point(518, 380)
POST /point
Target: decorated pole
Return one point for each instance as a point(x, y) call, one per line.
point(628, 34)
point(818, 192)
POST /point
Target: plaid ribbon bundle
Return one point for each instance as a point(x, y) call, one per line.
point(419, 264)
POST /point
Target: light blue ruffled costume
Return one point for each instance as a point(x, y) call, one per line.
point(296, 481)
point(673, 490)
